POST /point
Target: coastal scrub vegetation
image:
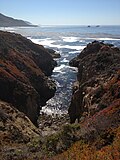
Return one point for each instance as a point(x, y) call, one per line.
point(25, 87)
point(109, 150)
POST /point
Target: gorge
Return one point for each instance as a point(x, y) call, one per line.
point(25, 86)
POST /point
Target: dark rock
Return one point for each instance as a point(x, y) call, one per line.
point(98, 68)
point(75, 108)
point(53, 53)
point(24, 67)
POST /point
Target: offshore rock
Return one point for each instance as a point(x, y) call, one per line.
point(98, 84)
point(53, 53)
point(24, 67)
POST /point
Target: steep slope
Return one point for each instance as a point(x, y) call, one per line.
point(24, 67)
point(98, 84)
point(95, 104)
point(6, 21)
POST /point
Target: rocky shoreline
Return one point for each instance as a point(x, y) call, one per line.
point(24, 67)
point(97, 85)
point(25, 88)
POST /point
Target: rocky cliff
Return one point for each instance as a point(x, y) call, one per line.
point(24, 67)
point(95, 104)
point(98, 84)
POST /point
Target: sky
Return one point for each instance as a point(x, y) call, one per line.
point(63, 12)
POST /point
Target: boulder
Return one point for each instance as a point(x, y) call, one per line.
point(53, 53)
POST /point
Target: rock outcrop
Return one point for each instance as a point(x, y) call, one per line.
point(24, 67)
point(98, 76)
point(53, 53)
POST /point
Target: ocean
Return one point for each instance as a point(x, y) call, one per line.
point(69, 42)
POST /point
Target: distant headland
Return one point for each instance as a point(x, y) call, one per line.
point(6, 21)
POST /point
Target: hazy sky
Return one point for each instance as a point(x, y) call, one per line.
point(70, 12)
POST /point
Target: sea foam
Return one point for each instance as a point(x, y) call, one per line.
point(103, 39)
point(48, 42)
point(70, 39)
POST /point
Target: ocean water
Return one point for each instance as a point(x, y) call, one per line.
point(68, 41)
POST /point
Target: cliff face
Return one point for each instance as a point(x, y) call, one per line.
point(98, 85)
point(24, 67)
point(96, 104)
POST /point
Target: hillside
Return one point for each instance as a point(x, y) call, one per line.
point(6, 21)
point(24, 67)
point(95, 103)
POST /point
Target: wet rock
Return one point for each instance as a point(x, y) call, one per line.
point(53, 53)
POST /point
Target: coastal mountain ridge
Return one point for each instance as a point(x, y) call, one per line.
point(6, 21)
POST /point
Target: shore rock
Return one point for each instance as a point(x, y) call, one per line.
point(98, 80)
point(24, 67)
point(53, 53)
point(96, 104)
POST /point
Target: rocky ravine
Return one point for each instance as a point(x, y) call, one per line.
point(24, 67)
point(95, 103)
